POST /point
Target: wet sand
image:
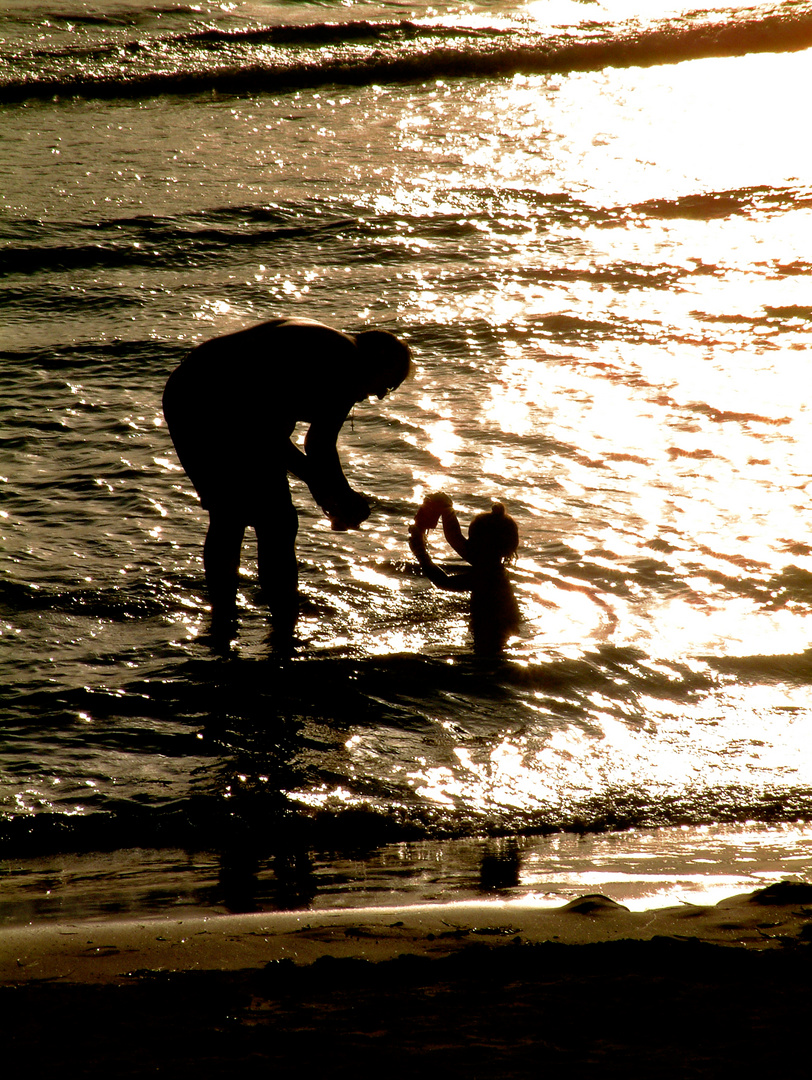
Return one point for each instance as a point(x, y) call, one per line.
point(480, 990)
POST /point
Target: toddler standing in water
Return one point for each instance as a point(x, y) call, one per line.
point(493, 539)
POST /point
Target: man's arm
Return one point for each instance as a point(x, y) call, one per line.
point(323, 474)
point(296, 462)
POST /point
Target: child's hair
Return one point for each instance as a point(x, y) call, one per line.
point(496, 531)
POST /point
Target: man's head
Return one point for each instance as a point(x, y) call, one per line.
point(385, 363)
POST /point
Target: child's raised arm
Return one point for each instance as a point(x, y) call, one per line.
point(438, 577)
point(439, 505)
point(453, 533)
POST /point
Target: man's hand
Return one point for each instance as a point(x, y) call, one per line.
point(348, 513)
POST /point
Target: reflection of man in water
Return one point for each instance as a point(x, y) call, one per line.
point(231, 408)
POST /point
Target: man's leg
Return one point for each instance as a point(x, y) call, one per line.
point(221, 561)
point(276, 560)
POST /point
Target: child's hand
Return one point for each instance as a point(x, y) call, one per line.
point(430, 512)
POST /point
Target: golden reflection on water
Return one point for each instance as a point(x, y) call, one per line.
point(679, 441)
point(633, 385)
point(443, 442)
point(610, 137)
point(743, 740)
point(628, 384)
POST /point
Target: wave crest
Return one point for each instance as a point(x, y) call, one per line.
point(282, 58)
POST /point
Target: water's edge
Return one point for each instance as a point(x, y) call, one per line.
point(640, 868)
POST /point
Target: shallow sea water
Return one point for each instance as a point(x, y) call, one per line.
point(604, 276)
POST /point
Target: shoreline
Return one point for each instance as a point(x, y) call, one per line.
point(640, 868)
point(778, 916)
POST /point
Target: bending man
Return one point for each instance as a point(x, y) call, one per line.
point(231, 408)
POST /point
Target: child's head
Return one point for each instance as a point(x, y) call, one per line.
point(493, 535)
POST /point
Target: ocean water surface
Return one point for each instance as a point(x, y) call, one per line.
point(594, 229)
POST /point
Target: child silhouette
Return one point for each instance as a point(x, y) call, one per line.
point(493, 539)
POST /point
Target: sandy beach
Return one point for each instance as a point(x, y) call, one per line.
point(475, 989)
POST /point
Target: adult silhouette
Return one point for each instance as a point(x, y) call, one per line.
point(231, 408)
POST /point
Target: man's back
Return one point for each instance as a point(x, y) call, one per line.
point(273, 374)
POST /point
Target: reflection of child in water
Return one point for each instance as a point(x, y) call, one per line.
point(493, 539)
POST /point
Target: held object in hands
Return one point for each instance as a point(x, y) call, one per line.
point(432, 509)
point(348, 516)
